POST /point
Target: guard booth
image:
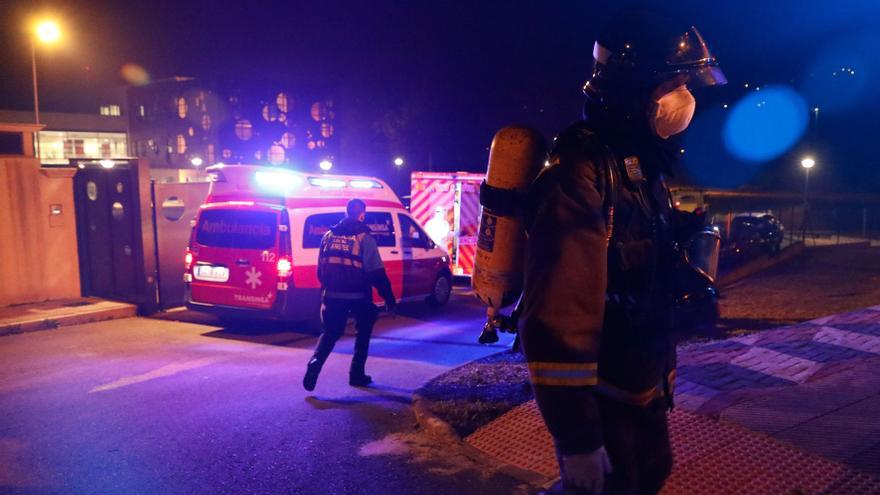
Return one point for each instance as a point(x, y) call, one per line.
point(448, 205)
point(115, 231)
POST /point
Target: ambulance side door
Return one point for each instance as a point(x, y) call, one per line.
point(418, 257)
point(382, 226)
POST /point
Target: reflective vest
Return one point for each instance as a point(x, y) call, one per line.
point(341, 264)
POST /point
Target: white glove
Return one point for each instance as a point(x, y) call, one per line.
point(585, 471)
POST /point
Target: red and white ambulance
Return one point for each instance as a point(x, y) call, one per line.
point(253, 249)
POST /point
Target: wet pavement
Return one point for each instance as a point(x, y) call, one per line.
point(162, 406)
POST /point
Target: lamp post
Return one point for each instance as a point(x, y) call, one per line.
point(47, 32)
point(807, 163)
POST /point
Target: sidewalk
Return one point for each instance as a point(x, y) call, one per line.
point(791, 410)
point(47, 315)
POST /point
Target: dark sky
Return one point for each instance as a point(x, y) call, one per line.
point(445, 75)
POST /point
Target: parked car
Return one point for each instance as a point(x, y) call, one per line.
point(751, 235)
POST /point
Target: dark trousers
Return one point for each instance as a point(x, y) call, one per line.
point(334, 317)
point(637, 441)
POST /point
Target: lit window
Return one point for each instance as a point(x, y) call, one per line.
point(269, 113)
point(319, 111)
point(275, 154)
point(311, 145)
point(142, 111)
point(258, 155)
point(105, 110)
point(191, 132)
point(181, 107)
point(281, 101)
point(244, 130)
point(227, 153)
point(326, 129)
point(282, 117)
point(115, 110)
point(288, 140)
point(206, 122)
point(181, 144)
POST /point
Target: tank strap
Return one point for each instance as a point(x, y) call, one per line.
point(661, 390)
point(504, 202)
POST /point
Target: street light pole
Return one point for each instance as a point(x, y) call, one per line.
point(807, 163)
point(34, 70)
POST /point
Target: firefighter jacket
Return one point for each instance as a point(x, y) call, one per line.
point(593, 285)
point(349, 264)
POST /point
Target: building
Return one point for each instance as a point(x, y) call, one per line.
point(182, 123)
point(67, 135)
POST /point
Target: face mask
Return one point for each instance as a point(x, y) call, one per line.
point(673, 112)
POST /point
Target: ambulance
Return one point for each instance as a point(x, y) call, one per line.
point(253, 249)
point(448, 205)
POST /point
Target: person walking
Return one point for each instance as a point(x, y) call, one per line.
point(349, 266)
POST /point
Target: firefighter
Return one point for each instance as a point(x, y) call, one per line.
point(595, 323)
point(349, 266)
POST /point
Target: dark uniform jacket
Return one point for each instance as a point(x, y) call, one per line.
point(349, 265)
point(591, 311)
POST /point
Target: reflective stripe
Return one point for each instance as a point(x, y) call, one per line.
point(633, 398)
point(563, 374)
point(339, 260)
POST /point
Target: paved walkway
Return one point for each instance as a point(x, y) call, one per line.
point(788, 410)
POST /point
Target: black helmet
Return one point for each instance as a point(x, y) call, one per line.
point(640, 49)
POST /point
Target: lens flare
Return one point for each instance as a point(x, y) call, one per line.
point(764, 125)
point(135, 74)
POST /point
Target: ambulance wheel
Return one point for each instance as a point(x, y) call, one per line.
point(441, 290)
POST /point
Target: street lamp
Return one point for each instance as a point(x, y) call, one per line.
point(196, 162)
point(807, 163)
point(46, 32)
point(325, 165)
point(398, 161)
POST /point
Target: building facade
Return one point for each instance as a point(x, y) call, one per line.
point(185, 123)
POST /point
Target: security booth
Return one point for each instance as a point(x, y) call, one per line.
point(115, 234)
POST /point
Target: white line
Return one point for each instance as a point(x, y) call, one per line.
point(777, 364)
point(167, 370)
point(851, 340)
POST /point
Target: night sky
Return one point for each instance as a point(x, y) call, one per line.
point(433, 81)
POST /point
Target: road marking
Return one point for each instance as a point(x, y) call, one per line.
point(167, 370)
point(851, 340)
point(777, 364)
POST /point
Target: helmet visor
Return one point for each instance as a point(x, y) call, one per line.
point(693, 57)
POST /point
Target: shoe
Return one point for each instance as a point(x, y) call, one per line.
point(359, 380)
point(311, 377)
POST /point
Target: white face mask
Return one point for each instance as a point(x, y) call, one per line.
point(673, 112)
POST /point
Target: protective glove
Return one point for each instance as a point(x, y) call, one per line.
point(585, 473)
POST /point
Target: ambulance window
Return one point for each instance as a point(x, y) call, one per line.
point(382, 227)
point(316, 226)
point(237, 229)
point(412, 234)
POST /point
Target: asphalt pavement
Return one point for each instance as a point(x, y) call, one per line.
point(152, 405)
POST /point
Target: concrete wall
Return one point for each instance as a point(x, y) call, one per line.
point(38, 249)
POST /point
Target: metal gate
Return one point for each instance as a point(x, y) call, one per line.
point(108, 229)
point(174, 207)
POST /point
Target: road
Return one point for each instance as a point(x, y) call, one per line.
point(162, 406)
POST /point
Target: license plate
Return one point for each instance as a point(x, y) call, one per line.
point(211, 273)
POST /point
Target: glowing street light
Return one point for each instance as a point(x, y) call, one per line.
point(808, 163)
point(196, 161)
point(325, 165)
point(398, 161)
point(46, 32)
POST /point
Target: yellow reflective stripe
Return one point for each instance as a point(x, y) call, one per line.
point(633, 398)
point(338, 260)
point(563, 374)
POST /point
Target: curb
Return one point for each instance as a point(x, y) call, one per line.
point(443, 431)
point(81, 316)
point(762, 263)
